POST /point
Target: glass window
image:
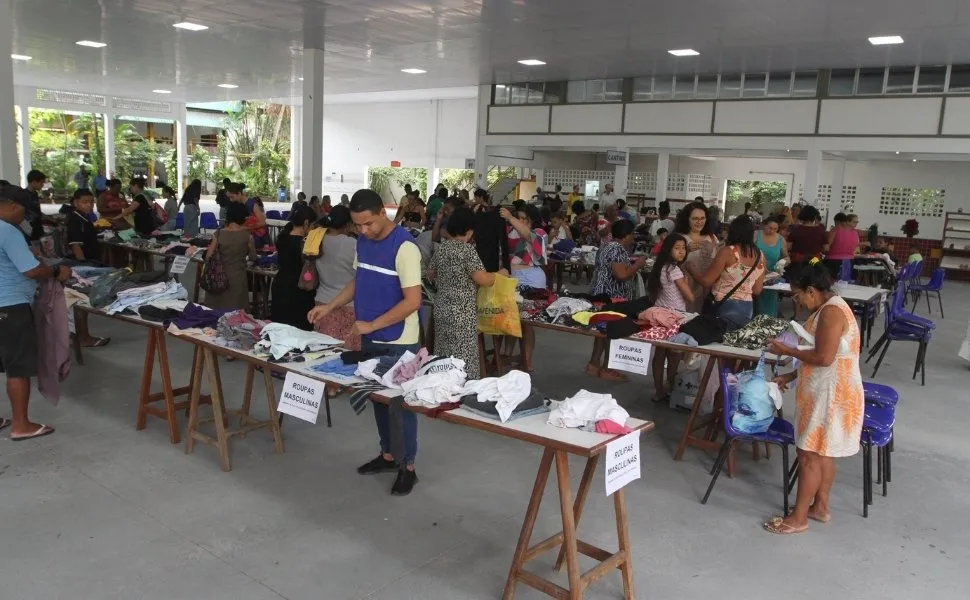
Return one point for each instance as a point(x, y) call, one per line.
point(931, 80)
point(642, 89)
point(841, 82)
point(576, 91)
point(706, 86)
point(595, 90)
point(555, 91)
point(870, 82)
point(754, 85)
point(900, 80)
point(730, 86)
point(537, 91)
point(612, 90)
point(806, 83)
point(501, 94)
point(959, 79)
point(663, 88)
point(779, 85)
point(683, 87)
point(519, 93)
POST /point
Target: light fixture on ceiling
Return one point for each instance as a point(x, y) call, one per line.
point(897, 151)
point(500, 86)
point(684, 52)
point(190, 26)
point(884, 40)
point(161, 91)
point(914, 160)
point(228, 86)
point(90, 44)
point(413, 71)
point(20, 57)
point(787, 149)
point(301, 79)
point(531, 62)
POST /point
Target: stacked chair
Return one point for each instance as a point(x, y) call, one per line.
point(935, 284)
point(904, 326)
point(877, 432)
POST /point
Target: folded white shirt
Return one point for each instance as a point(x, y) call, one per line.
point(587, 408)
point(507, 391)
point(279, 338)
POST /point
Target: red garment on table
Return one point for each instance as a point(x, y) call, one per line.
point(605, 317)
point(658, 316)
point(656, 333)
point(607, 426)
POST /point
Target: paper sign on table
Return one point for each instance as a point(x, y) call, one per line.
point(630, 356)
point(179, 265)
point(301, 397)
point(622, 462)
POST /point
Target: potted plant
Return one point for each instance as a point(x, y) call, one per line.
point(911, 228)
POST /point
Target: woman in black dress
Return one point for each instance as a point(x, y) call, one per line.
point(290, 303)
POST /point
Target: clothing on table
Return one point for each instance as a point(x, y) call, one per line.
point(190, 220)
point(586, 408)
point(659, 316)
point(15, 260)
point(533, 404)
point(53, 340)
point(612, 427)
point(437, 382)
point(566, 307)
point(81, 232)
point(18, 341)
point(455, 309)
point(656, 333)
point(279, 338)
point(604, 279)
point(155, 314)
point(235, 247)
point(830, 401)
point(756, 334)
point(670, 295)
point(355, 357)
point(585, 317)
point(239, 330)
point(132, 298)
point(683, 338)
point(700, 257)
point(335, 266)
point(705, 329)
point(335, 367)
point(340, 324)
point(766, 303)
point(492, 240)
point(290, 304)
point(507, 391)
point(385, 268)
point(806, 241)
point(407, 370)
point(196, 316)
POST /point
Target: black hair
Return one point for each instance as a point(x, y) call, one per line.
point(235, 188)
point(407, 187)
point(226, 181)
point(809, 214)
point(596, 207)
point(443, 192)
point(518, 205)
point(300, 217)
point(682, 224)
point(812, 273)
point(533, 214)
point(461, 221)
point(138, 181)
point(301, 196)
point(620, 203)
point(141, 199)
point(741, 233)
point(167, 190)
point(454, 201)
point(621, 228)
point(561, 215)
point(338, 218)
point(579, 207)
point(662, 231)
point(326, 198)
point(697, 199)
point(839, 218)
point(35, 175)
point(314, 200)
point(481, 193)
point(366, 200)
point(81, 193)
point(664, 209)
point(664, 260)
point(236, 213)
point(780, 220)
point(850, 217)
point(747, 206)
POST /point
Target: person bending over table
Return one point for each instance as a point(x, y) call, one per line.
point(19, 269)
point(386, 292)
point(613, 276)
point(335, 269)
point(82, 242)
point(830, 400)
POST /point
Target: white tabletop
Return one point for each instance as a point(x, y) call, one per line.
point(276, 222)
point(848, 291)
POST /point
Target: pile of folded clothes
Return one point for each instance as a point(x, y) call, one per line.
point(239, 330)
point(280, 340)
point(757, 333)
point(503, 398)
point(131, 299)
point(590, 412)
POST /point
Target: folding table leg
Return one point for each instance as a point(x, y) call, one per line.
point(167, 390)
point(274, 422)
point(218, 408)
point(518, 558)
point(145, 391)
point(198, 366)
point(568, 526)
point(581, 493)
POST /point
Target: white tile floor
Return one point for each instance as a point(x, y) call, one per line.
point(100, 511)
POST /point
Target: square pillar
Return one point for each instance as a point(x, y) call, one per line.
point(621, 176)
point(481, 152)
point(838, 184)
point(24, 131)
point(813, 169)
point(296, 150)
point(181, 147)
point(109, 145)
point(312, 142)
point(663, 175)
point(9, 161)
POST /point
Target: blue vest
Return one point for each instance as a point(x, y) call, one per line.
point(377, 287)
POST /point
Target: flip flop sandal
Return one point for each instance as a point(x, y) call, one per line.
point(100, 342)
point(778, 526)
point(4, 423)
point(41, 432)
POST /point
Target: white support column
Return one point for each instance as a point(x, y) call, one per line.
point(312, 142)
point(813, 169)
point(109, 145)
point(838, 183)
point(621, 175)
point(181, 146)
point(9, 162)
point(296, 150)
point(436, 115)
point(663, 175)
point(481, 152)
point(24, 132)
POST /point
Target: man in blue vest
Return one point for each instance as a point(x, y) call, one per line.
point(386, 292)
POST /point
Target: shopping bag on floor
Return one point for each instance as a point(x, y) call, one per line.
point(498, 312)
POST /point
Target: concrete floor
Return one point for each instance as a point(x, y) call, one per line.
point(100, 511)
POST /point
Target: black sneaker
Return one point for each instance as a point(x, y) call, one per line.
point(404, 483)
point(378, 465)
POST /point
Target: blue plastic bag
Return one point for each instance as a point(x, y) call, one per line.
point(752, 409)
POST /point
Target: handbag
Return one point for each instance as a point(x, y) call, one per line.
point(309, 278)
point(214, 278)
point(712, 306)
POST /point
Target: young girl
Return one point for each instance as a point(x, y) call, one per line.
point(668, 288)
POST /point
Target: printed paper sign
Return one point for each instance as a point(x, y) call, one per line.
point(179, 265)
point(630, 356)
point(301, 397)
point(617, 157)
point(622, 462)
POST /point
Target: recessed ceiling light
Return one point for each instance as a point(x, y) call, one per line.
point(684, 52)
point(90, 44)
point(20, 57)
point(882, 40)
point(228, 86)
point(787, 149)
point(500, 86)
point(301, 79)
point(914, 160)
point(161, 91)
point(532, 62)
point(190, 26)
point(897, 151)
point(413, 71)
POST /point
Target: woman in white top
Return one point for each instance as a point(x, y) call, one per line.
point(335, 268)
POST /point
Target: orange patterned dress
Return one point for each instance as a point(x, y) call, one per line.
point(830, 400)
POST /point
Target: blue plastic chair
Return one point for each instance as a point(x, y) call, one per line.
point(935, 284)
point(273, 214)
point(879, 393)
point(180, 221)
point(780, 432)
point(877, 432)
point(207, 220)
point(904, 327)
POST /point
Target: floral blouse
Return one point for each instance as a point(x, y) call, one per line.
point(527, 252)
point(604, 282)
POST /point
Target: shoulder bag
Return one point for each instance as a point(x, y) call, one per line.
point(309, 278)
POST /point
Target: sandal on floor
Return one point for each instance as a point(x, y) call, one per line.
point(778, 526)
point(100, 342)
point(4, 423)
point(611, 375)
point(41, 432)
point(592, 370)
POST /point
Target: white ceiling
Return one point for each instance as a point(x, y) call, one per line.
point(257, 44)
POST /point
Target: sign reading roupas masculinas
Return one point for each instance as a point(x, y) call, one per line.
point(622, 461)
point(301, 397)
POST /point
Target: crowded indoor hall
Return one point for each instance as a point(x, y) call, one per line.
point(494, 299)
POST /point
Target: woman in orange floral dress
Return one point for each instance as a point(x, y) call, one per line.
point(829, 396)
